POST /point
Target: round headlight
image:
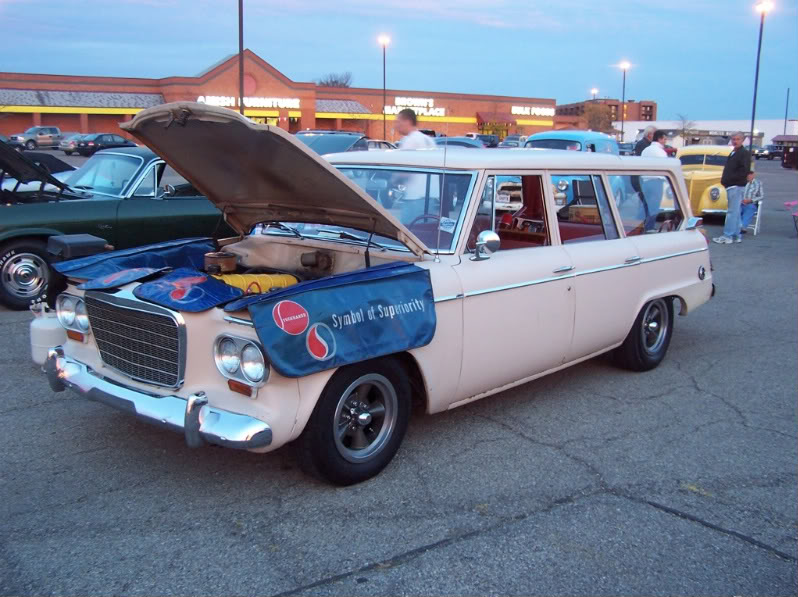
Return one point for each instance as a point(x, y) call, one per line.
point(714, 193)
point(65, 310)
point(81, 317)
point(252, 363)
point(228, 355)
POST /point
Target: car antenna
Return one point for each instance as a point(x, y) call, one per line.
point(441, 191)
point(368, 244)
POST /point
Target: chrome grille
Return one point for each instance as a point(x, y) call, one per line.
point(139, 340)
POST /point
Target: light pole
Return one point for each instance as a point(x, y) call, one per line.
point(241, 57)
point(384, 40)
point(624, 66)
point(786, 109)
point(762, 8)
point(594, 93)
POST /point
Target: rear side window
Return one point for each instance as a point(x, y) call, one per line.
point(692, 160)
point(646, 204)
point(583, 211)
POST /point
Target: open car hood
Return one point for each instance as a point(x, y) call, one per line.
point(15, 165)
point(257, 173)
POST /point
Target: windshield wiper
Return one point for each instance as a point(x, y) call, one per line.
point(284, 227)
point(343, 234)
point(83, 186)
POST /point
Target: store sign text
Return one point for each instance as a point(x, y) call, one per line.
point(422, 106)
point(229, 101)
point(532, 111)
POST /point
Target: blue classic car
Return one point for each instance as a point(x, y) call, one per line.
point(574, 141)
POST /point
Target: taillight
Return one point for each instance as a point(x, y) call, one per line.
point(91, 143)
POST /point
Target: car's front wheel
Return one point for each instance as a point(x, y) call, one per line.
point(67, 152)
point(648, 340)
point(30, 144)
point(24, 273)
point(358, 423)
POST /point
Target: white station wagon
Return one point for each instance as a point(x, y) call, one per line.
point(364, 281)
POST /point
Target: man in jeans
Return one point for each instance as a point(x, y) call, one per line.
point(734, 178)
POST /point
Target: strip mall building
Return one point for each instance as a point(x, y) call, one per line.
point(98, 104)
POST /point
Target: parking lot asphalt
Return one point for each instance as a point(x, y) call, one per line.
point(592, 481)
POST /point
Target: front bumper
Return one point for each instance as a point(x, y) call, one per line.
point(713, 212)
point(192, 416)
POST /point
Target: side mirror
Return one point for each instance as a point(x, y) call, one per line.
point(169, 191)
point(693, 223)
point(487, 243)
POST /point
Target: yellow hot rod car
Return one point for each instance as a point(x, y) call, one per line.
point(702, 166)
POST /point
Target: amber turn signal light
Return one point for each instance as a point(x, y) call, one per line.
point(239, 387)
point(75, 335)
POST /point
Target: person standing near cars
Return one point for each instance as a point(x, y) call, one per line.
point(645, 141)
point(411, 206)
point(734, 178)
point(656, 148)
point(407, 125)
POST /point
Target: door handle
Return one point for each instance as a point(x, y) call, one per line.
point(631, 260)
point(563, 269)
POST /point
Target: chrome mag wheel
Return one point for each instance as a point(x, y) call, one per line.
point(654, 326)
point(365, 417)
point(24, 275)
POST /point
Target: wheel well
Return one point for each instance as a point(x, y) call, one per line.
point(33, 237)
point(410, 365)
point(681, 302)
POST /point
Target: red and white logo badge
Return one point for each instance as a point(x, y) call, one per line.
point(320, 342)
point(291, 317)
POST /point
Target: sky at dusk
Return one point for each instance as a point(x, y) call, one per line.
point(694, 57)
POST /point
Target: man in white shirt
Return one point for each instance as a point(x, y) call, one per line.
point(412, 138)
point(657, 147)
point(415, 185)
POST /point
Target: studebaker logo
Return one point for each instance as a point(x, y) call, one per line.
point(320, 342)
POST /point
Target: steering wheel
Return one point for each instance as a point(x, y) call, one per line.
point(423, 217)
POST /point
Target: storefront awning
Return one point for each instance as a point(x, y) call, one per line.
point(495, 118)
point(341, 106)
point(91, 99)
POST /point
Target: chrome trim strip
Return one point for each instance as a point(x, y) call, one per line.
point(239, 321)
point(576, 274)
point(134, 304)
point(443, 299)
point(194, 417)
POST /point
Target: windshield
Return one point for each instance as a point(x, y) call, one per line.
point(323, 143)
point(108, 174)
point(692, 160)
point(554, 144)
point(716, 160)
point(429, 203)
point(32, 130)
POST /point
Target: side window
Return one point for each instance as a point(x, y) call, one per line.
point(647, 204)
point(583, 211)
point(514, 207)
point(360, 145)
point(147, 185)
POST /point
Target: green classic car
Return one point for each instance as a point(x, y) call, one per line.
point(127, 196)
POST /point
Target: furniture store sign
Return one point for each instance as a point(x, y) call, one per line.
point(229, 101)
point(422, 106)
point(531, 111)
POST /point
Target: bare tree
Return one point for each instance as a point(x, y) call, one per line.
point(685, 126)
point(336, 80)
point(597, 117)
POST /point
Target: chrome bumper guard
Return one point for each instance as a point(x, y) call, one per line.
point(194, 417)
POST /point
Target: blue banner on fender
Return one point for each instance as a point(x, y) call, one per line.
point(117, 279)
point(345, 319)
point(188, 290)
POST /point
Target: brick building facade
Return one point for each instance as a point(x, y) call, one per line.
point(642, 110)
point(98, 104)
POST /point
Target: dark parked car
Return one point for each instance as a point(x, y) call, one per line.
point(14, 144)
point(127, 196)
point(769, 152)
point(626, 148)
point(324, 142)
point(69, 144)
point(459, 142)
point(489, 140)
point(90, 144)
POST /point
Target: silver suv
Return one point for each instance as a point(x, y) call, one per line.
point(39, 136)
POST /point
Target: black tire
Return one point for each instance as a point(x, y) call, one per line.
point(770, 158)
point(24, 273)
point(329, 445)
point(645, 346)
point(30, 144)
point(67, 153)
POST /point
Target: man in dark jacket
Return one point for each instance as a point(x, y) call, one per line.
point(645, 141)
point(734, 178)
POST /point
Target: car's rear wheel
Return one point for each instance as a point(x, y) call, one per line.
point(68, 153)
point(648, 340)
point(30, 144)
point(358, 423)
point(24, 273)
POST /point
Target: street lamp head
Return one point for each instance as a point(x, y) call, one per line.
point(383, 40)
point(594, 91)
point(764, 7)
point(624, 65)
